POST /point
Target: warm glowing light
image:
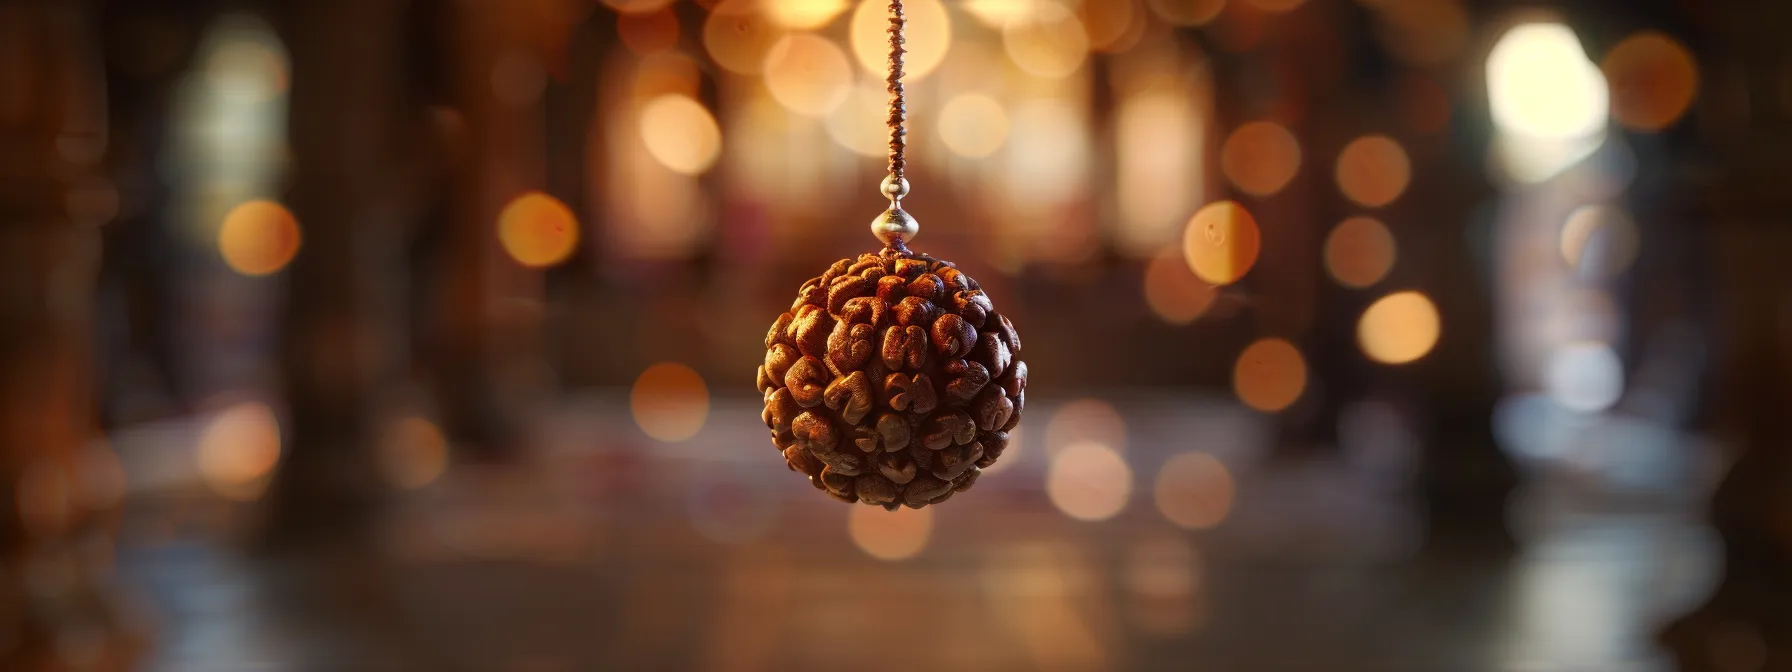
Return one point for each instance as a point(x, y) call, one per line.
point(636, 6)
point(1221, 242)
point(258, 238)
point(1089, 481)
point(537, 230)
point(1586, 377)
point(738, 35)
point(1359, 252)
point(1260, 158)
point(998, 14)
point(1540, 84)
point(1113, 26)
point(1187, 12)
point(1194, 490)
point(680, 134)
point(804, 14)
point(1162, 573)
point(1085, 421)
point(1173, 292)
point(890, 535)
point(928, 36)
point(669, 402)
point(1600, 241)
point(1048, 42)
point(414, 453)
point(666, 72)
point(858, 123)
point(973, 125)
point(1373, 170)
point(648, 33)
point(1158, 141)
point(1399, 328)
point(807, 74)
point(238, 450)
point(1653, 81)
point(1270, 375)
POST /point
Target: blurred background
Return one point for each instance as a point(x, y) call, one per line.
point(1364, 334)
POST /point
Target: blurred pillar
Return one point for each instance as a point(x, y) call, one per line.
point(341, 312)
point(55, 490)
point(1745, 120)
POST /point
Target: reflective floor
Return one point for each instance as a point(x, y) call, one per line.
point(607, 550)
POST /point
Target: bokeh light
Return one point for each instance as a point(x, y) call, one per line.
point(414, 453)
point(1113, 26)
point(997, 14)
point(1162, 573)
point(858, 123)
point(1089, 481)
point(1359, 252)
point(1270, 375)
point(1187, 12)
point(1541, 84)
point(738, 35)
point(681, 134)
point(1173, 292)
point(1653, 81)
point(1399, 328)
point(1221, 242)
point(1373, 170)
point(1600, 241)
point(636, 6)
point(537, 230)
point(1158, 146)
point(666, 72)
point(1047, 42)
point(238, 450)
point(806, 74)
point(1194, 490)
point(927, 38)
point(973, 125)
point(1585, 376)
point(669, 402)
point(1085, 420)
point(258, 238)
point(890, 535)
point(1260, 158)
point(804, 14)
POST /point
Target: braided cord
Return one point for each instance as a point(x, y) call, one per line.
point(898, 104)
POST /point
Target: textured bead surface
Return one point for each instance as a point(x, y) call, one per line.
point(892, 380)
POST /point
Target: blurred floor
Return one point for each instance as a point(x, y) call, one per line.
point(609, 551)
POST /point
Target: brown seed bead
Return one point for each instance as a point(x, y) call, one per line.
point(891, 380)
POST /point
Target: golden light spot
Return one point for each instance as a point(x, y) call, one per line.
point(414, 453)
point(680, 134)
point(890, 535)
point(1541, 85)
point(636, 6)
point(807, 74)
point(1173, 292)
point(537, 230)
point(1194, 490)
point(1373, 170)
point(258, 238)
point(669, 402)
point(858, 123)
point(1260, 157)
point(238, 450)
point(738, 35)
point(666, 72)
point(1270, 375)
point(1359, 252)
point(1187, 12)
point(998, 14)
point(1113, 26)
point(1089, 481)
point(804, 14)
point(1399, 328)
point(1048, 42)
point(1653, 81)
point(973, 125)
point(648, 33)
point(1600, 241)
point(1085, 421)
point(928, 37)
point(1221, 242)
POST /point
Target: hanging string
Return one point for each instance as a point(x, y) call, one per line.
point(898, 104)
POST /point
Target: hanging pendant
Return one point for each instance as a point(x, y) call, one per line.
point(892, 380)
